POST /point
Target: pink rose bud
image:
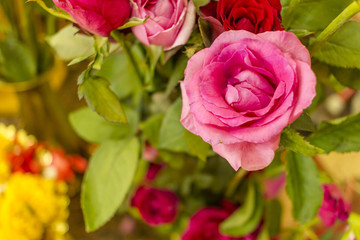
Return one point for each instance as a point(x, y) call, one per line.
point(150, 153)
point(204, 224)
point(333, 206)
point(156, 206)
point(99, 17)
point(169, 25)
point(242, 91)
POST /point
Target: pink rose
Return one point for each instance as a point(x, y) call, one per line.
point(156, 206)
point(240, 93)
point(204, 224)
point(99, 17)
point(333, 206)
point(169, 25)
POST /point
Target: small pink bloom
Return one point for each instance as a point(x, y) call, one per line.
point(333, 206)
point(274, 185)
point(99, 17)
point(127, 225)
point(150, 153)
point(169, 25)
point(156, 206)
point(239, 94)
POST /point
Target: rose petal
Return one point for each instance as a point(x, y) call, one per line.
point(247, 155)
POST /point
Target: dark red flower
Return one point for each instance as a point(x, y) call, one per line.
point(333, 206)
point(204, 224)
point(252, 15)
point(156, 206)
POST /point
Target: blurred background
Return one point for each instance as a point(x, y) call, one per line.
point(38, 89)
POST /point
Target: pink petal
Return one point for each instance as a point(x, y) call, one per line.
point(248, 155)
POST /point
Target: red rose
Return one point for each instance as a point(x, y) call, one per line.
point(156, 206)
point(99, 17)
point(252, 15)
point(204, 224)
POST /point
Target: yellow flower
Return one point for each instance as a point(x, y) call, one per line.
point(4, 165)
point(33, 208)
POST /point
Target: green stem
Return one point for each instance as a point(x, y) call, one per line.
point(241, 173)
point(340, 20)
point(119, 37)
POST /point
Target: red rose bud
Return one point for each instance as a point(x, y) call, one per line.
point(156, 206)
point(333, 206)
point(252, 15)
point(153, 171)
point(204, 224)
point(99, 17)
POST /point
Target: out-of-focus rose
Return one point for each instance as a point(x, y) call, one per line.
point(99, 17)
point(204, 224)
point(156, 206)
point(169, 25)
point(150, 153)
point(252, 15)
point(240, 93)
point(274, 185)
point(153, 171)
point(333, 206)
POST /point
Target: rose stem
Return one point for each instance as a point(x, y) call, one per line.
point(235, 182)
point(340, 20)
point(119, 37)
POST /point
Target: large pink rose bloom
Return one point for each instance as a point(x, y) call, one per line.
point(169, 25)
point(99, 17)
point(240, 93)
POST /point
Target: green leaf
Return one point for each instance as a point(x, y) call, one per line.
point(107, 180)
point(176, 75)
point(303, 123)
point(291, 140)
point(93, 128)
point(59, 14)
point(273, 211)
point(349, 77)
point(151, 128)
point(121, 75)
point(200, 3)
point(71, 46)
point(354, 222)
point(342, 49)
point(172, 132)
point(101, 99)
point(300, 33)
point(303, 186)
point(311, 15)
point(196, 145)
point(247, 217)
point(341, 135)
point(133, 22)
point(17, 63)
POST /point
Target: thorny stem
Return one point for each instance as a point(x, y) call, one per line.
point(340, 20)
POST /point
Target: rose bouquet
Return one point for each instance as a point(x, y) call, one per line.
point(201, 110)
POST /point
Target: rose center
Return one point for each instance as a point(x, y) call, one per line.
point(248, 91)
